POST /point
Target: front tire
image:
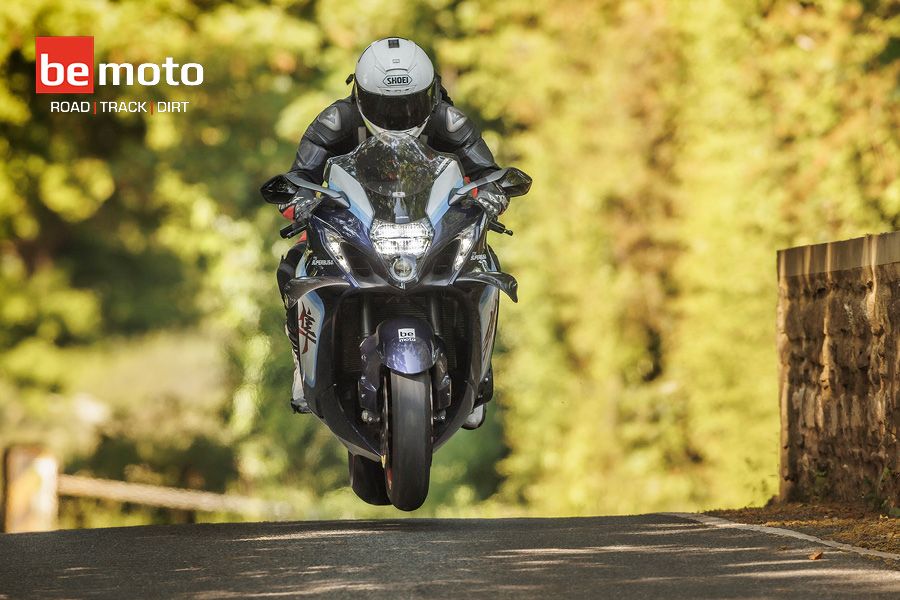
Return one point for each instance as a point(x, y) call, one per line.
point(407, 443)
point(367, 480)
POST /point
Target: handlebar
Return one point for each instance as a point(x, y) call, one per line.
point(291, 230)
point(295, 228)
point(499, 227)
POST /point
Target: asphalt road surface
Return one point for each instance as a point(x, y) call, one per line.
point(648, 556)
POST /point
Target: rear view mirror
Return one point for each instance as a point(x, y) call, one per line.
point(281, 189)
point(515, 182)
point(278, 190)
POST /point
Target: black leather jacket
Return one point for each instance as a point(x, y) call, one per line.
point(339, 129)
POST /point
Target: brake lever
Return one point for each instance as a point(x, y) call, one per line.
point(291, 230)
point(499, 227)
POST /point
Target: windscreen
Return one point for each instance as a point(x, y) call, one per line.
point(397, 172)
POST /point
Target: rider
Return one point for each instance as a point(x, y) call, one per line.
point(395, 89)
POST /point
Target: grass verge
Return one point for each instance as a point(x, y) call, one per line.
point(855, 524)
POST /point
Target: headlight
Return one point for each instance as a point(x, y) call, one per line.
point(406, 239)
point(466, 241)
point(333, 243)
point(403, 269)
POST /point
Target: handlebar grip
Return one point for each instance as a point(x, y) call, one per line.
point(291, 230)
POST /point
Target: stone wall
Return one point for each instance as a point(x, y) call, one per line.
point(839, 351)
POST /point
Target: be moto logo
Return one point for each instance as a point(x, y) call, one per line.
point(65, 65)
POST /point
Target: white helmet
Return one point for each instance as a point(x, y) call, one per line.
point(395, 87)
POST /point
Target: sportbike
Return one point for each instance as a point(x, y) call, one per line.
point(397, 295)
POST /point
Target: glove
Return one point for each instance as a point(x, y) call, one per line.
point(301, 206)
point(492, 200)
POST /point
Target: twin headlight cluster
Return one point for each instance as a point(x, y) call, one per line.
point(401, 245)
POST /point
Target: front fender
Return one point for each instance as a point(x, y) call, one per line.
point(406, 345)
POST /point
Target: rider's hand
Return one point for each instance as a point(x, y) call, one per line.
point(492, 200)
point(301, 206)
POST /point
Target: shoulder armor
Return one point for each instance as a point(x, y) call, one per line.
point(330, 118)
point(334, 124)
point(455, 119)
point(453, 125)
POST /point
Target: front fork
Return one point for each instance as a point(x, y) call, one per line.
point(373, 363)
point(434, 313)
point(441, 380)
point(365, 317)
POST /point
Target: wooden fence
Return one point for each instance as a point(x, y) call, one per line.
point(33, 484)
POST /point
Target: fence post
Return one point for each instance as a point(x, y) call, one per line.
point(29, 498)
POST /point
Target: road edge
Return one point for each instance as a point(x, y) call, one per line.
point(780, 531)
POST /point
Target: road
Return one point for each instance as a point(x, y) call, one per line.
point(648, 556)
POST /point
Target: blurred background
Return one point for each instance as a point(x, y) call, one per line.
point(674, 145)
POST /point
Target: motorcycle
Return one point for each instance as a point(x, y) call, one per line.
point(397, 297)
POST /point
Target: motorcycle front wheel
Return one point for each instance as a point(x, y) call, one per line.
point(406, 439)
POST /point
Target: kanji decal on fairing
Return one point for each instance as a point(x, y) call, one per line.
point(307, 322)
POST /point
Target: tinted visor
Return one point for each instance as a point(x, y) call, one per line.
point(396, 113)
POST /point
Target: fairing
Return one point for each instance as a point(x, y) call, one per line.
point(399, 180)
point(391, 177)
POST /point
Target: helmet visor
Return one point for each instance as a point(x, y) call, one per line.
point(396, 113)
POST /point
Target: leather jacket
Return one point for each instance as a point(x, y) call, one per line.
point(339, 129)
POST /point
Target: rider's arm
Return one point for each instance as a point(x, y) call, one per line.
point(333, 132)
point(452, 131)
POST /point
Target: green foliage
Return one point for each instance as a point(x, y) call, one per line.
point(674, 147)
